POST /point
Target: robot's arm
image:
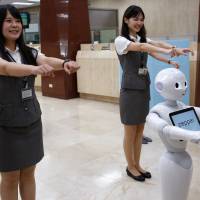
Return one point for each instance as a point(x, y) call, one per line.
point(177, 133)
point(155, 122)
point(173, 132)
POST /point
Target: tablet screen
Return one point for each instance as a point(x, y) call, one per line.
point(186, 119)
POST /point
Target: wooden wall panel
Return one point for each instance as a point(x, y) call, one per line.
point(64, 25)
point(197, 93)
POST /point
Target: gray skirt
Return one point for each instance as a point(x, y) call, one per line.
point(134, 106)
point(20, 147)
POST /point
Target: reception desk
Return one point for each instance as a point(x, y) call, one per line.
point(98, 77)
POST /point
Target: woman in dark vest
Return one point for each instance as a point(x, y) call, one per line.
point(21, 145)
point(132, 48)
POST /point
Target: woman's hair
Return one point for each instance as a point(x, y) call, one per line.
point(133, 11)
point(24, 49)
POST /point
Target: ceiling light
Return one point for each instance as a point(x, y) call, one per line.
point(34, 0)
point(23, 4)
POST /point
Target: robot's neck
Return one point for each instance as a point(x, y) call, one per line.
point(171, 102)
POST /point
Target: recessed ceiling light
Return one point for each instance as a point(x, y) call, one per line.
point(23, 4)
point(34, 0)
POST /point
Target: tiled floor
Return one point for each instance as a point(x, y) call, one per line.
point(84, 159)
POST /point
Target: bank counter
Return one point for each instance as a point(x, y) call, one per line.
point(98, 77)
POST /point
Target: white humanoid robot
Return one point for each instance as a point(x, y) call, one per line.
point(175, 164)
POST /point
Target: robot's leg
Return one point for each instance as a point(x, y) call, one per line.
point(176, 173)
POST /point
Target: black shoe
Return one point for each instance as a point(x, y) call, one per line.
point(144, 141)
point(140, 178)
point(146, 174)
point(147, 139)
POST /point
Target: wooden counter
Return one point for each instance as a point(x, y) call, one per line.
point(98, 77)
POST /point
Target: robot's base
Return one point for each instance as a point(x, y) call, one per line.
point(176, 172)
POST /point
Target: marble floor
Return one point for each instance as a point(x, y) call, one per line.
point(84, 159)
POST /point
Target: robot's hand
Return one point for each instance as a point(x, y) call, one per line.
point(196, 137)
point(195, 141)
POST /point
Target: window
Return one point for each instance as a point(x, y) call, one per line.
point(103, 25)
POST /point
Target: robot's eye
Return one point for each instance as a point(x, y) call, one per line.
point(177, 85)
point(185, 83)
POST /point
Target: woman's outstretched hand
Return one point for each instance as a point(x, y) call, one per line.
point(180, 51)
point(175, 64)
point(186, 50)
point(71, 67)
point(44, 70)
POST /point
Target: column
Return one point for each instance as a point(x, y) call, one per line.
point(64, 25)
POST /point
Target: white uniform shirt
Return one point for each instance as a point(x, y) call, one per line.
point(121, 43)
point(15, 55)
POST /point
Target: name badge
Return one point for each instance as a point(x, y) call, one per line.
point(142, 71)
point(27, 94)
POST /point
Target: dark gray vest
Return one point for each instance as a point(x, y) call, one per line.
point(14, 112)
point(130, 63)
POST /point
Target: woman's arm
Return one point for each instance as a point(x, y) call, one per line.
point(165, 60)
point(19, 70)
point(161, 44)
point(58, 64)
point(145, 47)
point(175, 51)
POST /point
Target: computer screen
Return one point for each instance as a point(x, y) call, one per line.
point(186, 119)
point(25, 19)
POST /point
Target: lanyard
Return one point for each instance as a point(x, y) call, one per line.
point(142, 60)
point(12, 59)
point(25, 79)
point(26, 92)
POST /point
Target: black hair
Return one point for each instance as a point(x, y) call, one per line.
point(133, 11)
point(24, 49)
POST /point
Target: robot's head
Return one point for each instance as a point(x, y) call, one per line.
point(171, 84)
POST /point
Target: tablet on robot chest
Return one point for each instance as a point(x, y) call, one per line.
point(186, 119)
